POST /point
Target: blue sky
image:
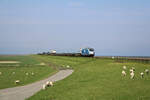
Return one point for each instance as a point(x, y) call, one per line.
point(112, 27)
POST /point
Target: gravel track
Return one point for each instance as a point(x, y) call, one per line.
point(23, 92)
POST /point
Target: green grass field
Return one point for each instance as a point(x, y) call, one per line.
point(92, 79)
point(96, 79)
point(10, 72)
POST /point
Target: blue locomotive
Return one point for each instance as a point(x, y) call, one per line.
point(88, 52)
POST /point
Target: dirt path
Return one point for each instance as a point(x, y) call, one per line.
point(22, 92)
point(9, 62)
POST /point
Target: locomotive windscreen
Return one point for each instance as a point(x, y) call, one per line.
point(91, 49)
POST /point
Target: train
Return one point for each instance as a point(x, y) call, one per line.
point(84, 52)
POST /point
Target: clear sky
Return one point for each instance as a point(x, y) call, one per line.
point(112, 27)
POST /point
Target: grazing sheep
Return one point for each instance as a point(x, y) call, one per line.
point(0, 73)
point(27, 73)
point(44, 87)
point(67, 66)
point(124, 67)
point(17, 81)
point(13, 72)
point(47, 83)
point(132, 75)
point(32, 73)
point(147, 71)
point(142, 75)
point(42, 64)
point(113, 57)
point(123, 73)
point(131, 71)
point(51, 83)
point(133, 68)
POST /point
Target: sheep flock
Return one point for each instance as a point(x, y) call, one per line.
point(47, 84)
point(132, 72)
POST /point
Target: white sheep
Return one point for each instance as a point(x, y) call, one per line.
point(124, 67)
point(32, 73)
point(142, 75)
point(147, 71)
point(13, 72)
point(113, 57)
point(17, 81)
point(0, 73)
point(44, 86)
point(123, 73)
point(132, 75)
point(27, 73)
point(47, 84)
point(133, 68)
point(68, 66)
point(51, 83)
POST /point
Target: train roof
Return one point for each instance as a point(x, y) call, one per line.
point(89, 48)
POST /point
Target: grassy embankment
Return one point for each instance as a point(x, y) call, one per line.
point(97, 79)
point(30, 69)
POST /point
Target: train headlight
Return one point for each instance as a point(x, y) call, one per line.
point(91, 53)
